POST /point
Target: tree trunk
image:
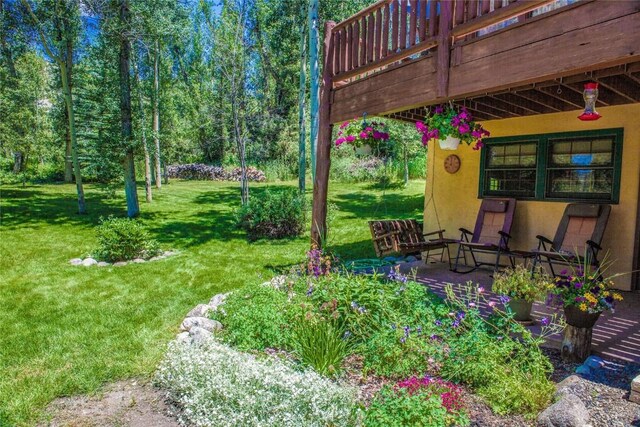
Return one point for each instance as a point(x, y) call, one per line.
point(143, 133)
point(406, 164)
point(131, 193)
point(156, 112)
point(68, 162)
point(576, 344)
point(314, 75)
point(321, 181)
point(18, 161)
point(68, 100)
point(244, 185)
point(302, 96)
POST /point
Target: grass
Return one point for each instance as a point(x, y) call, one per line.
point(67, 330)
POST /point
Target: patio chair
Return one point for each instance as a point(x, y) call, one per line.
point(578, 237)
point(405, 236)
point(491, 235)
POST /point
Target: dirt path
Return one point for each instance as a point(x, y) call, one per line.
point(130, 403)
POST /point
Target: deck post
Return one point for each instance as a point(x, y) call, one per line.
point(444, 48)
point(323, 155)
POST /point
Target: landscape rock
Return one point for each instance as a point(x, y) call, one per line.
point(75, 261)
point(566, 384)
point(89, 262)
point(139, 260)
point(277, 282)
point(119, 263)
point(635, 384)
point(634, 396)
point(183, 337)
point(199, 335)
point(103, 264)
point(200, 322)
point(199, 310)
point(167, 253)
point(569, 411)
point(217, 301)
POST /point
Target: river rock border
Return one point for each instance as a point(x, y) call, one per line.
point(89, 261)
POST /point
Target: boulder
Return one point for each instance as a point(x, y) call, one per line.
point(569, 411)
point(199, 335)
point(103, 264)
point(635, 384)
point(119, 263)
point(200, 322)
point(139, 260)
point(89, 262)
point(75, 261)
point(217, 301)
point(199, 310)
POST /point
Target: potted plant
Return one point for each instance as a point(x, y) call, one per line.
point(365, 137)
point(450, 126)
point(523, 287)
point(584, 293)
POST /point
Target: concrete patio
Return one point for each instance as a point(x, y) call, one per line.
point(616, 335)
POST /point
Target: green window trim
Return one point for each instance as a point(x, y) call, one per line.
point(543, 166)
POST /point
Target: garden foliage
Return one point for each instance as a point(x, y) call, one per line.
point(199, 171)
point(216, 385)
point(276, 214)
point(121, 239)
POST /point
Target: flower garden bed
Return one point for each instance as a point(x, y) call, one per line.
point(395, 353)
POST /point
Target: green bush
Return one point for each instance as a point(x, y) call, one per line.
point(121, 239)
point(422, 407)
point(273, 215)
point(256, 317)
point(319, 344)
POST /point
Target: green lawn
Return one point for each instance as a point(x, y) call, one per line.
point(66, 330)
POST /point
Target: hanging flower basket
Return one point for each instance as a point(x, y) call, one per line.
point(449, 143)
point(366, 137)
point(445, 123)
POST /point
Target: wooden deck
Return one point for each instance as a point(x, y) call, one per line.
point(616, 335)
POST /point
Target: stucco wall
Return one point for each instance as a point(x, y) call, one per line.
point(455, 197)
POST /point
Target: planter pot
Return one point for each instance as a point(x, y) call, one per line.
point(363, 150)
point(450, 143)
point(580, 319)
point(521, 309)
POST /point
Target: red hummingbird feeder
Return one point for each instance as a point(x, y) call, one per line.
point(590, 96)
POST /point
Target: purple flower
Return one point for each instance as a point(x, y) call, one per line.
point(439, 109)
point(460, 315)
point(578, 285)
point(504, 299)
point(403, 339)
point(438, 323)
point(544, 321)
point(310, 290)
point(455, 323)
point(433, 337)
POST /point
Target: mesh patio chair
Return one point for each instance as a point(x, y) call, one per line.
point(491, 235)
point(578, 237)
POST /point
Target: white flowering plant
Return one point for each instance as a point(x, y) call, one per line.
point(215, 385)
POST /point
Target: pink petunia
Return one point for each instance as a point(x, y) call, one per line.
point(464, 128)
point(351, 138)
point(344, 125)
point(340, 141)
point(364, 135)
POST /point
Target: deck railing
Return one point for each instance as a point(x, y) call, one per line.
point(391, 31)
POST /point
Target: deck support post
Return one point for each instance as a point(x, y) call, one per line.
point(323, 154)
point(444, 48)
point(576, 344)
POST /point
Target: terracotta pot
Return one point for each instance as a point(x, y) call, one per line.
point(580, 319)
point(521, 309)
point(450, 143)
point(363, 150)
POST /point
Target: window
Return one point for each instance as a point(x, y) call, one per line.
point(571, 166)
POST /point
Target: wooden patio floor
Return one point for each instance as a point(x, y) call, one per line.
point(616, 335)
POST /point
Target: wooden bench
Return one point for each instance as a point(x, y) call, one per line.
point(406, 237)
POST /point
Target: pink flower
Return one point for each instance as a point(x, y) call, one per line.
point(377, 135)
point(344, 125)
point(455, 121)
point(425, 139)
point(479, 145)
point(368, 129)
point(363, 135)
point(340, 141)
point(492, 304)
point(464, 128)
point(384, 136)
point(480, 289)
point(351, 138)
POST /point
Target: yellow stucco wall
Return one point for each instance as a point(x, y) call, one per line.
point(455, 197)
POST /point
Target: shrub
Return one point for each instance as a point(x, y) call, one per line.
point(273, 215)
point(499, 358)
point(426, 402)
point(121, 239)
point(215, 385)
point(521, 283)
point(256, 317)
point(319, 344)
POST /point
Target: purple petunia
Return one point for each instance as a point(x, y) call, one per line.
point(544, 321)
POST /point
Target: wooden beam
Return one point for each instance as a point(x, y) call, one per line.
point(321, 182)
point(487, 105)
point(444, 49)
point(518, 101)
point(552, 92)
point(543, 100)
point(622, 87)
point(477, 113)
point(504, 101)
